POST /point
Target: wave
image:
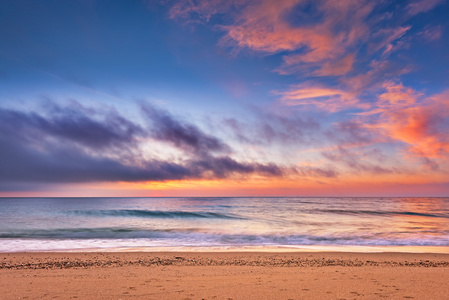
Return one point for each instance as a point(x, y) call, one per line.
point(196, 237)
point(97, 233)
point(154, 214)
point(385, 213)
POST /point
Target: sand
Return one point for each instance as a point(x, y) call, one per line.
point(225, 275)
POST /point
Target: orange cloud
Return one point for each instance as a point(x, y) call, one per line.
point(264, 27)
point(406, 116)
point(324, 98)
point(268, 26)
point(398, 96)
point(418, 126)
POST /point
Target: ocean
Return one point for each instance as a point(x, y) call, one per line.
point(130, 224)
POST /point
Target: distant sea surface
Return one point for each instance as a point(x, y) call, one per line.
point(51, 224)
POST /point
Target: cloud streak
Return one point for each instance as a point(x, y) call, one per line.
point(422, 6)
point(180, 134)
point(79, 144)
point(74, 124)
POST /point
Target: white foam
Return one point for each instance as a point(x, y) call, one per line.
point(146, 245)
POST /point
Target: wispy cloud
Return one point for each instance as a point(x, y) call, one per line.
point(421, 6)
point(432, 33)
point(315, 96)
point(202, 10)
point(357, 161)
point(272, 128)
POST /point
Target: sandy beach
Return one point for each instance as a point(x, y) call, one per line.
point(224, 275)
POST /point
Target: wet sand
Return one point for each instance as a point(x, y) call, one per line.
point(224, 275)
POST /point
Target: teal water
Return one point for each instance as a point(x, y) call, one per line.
point(31, 224)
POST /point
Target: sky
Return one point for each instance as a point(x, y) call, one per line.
point(224, 98)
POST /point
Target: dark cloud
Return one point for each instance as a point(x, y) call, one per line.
point(24, 163)
point(74, 124)
point(21, 162)
point(79, 144)
point(221, 167)
point(180, 134)
point(74, 144)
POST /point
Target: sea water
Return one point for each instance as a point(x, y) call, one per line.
point(51, 224)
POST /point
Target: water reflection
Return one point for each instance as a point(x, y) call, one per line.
point(230, 221)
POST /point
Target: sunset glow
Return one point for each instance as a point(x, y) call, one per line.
point(224, 98)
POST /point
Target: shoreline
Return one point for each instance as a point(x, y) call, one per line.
point(249, 249)
point(223, 275)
